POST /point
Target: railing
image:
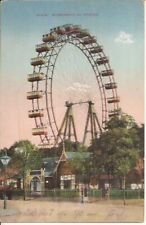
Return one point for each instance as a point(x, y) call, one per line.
point(56, 194)
point(92, 193)
point(76, 195)
point(129, 194)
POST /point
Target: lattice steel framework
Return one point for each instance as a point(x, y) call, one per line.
point(41, 79)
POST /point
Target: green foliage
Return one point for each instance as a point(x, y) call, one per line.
point(25, 156)
point(12, 184)
point(118, 146)
point(121, 121)
point(3, 151)
point(81, 163)
point(115, 152)
point(78, 163)
point(17, 192)
point(140, 139)
point(71, 146)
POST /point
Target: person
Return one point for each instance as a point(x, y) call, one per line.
point(86, 194)
point(82, 194)
point(107, 195)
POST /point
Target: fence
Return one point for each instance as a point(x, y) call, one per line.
point(75, 195)
point(118, 194)
point(63, 194)
point(129, 194)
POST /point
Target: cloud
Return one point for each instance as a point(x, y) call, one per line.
point(78, 87)
point(124, 38)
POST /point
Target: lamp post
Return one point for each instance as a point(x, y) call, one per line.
point(25, 157)
point(5, 160)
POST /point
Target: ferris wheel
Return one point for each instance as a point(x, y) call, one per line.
point(42, 78)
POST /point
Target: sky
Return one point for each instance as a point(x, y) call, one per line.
point(117, 25)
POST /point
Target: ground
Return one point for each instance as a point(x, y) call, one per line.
point(42, 210)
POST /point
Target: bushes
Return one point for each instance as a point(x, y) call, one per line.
point(8, 194)
point(17, 192)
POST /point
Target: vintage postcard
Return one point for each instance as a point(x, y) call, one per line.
point(72, 111)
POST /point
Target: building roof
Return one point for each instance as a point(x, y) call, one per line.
point(73, 155)
point(50, 165)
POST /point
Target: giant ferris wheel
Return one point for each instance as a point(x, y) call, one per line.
point(42, 79)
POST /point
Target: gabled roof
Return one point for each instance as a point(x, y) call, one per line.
point(50, 165)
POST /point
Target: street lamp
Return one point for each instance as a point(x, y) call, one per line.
point(5, 160)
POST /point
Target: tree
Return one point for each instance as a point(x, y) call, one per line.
point(139, 142)
point(140, 132)
point(126, 159)
point(3, 151)
point(81, 163)
point(118, 147)
point(25, 156)
point(123, 120)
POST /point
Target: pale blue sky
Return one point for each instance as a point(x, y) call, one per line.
point(24, 22)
